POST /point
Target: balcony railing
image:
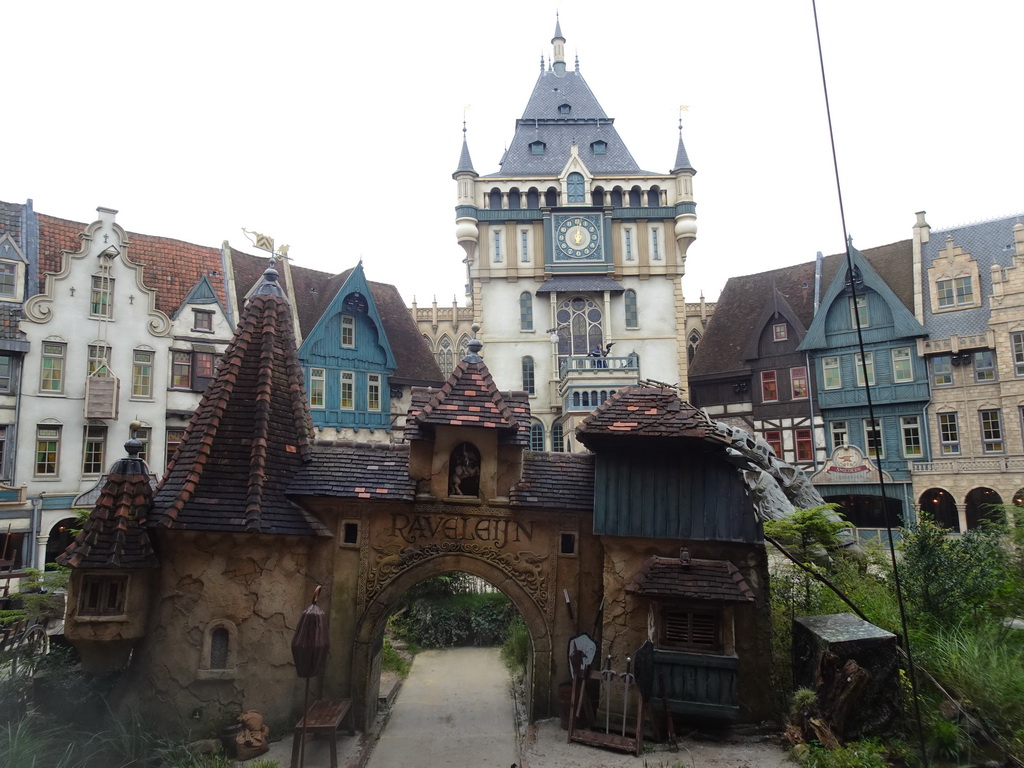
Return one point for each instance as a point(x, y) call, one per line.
point(979, 465)
point(588, 363)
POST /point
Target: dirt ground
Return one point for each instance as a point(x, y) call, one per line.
point(544, 746)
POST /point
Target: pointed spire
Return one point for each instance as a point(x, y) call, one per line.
point(559, 48)
point(682, 160)
point(465, 161)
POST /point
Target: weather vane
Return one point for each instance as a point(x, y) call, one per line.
point(265, 243)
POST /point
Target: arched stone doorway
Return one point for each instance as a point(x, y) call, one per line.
point(940, 506)
point(369, 634)
point(983, 505)
point(60, 536)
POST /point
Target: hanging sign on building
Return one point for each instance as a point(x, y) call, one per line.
point(848, 464)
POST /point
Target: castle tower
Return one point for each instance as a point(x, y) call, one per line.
point(574, 256)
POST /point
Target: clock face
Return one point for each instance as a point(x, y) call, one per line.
point(578, 237)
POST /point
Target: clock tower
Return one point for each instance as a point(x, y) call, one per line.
point(575, 256)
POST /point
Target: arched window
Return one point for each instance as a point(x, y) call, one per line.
point(576, 187)
point(692, 342)
point(494, 199)
point(217, 657)
point(551, 197)
point(526, 311)
point(983, 504)
point(653, 197)
point(463, 346)
point(617, 197)
point(941, 508)
point(514, 199)
point(597, 197)
point(536, 436)
point(632, 315)
point(599, 147)
point(528, 379)
point(564, 109)
point(557, 440)
point(1018, 498)
point(533, 198)
point(537, 147)
point(634, 197)
point(445, 356)
point(575, 399)
point(582, 317)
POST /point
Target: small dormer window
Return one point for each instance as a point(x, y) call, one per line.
point(564, 109)
point(8, 280)
point(599, 147)
point(537, 148)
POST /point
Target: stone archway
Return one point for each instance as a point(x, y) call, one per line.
point(941, 507)
point(370, 629)
point(983, 505)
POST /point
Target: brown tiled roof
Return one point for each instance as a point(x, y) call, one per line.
point(356, 471)
point(518, 403)
point(469, 398)
point(249, 435)
point(172, 267)
point(717, 580)
point(744, 299)
point(644, 411)
point(314, 291)
point(556, 480)
point(114, 536)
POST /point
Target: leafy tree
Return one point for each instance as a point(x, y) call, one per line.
point(809, 534)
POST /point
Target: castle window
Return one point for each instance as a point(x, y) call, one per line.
point(94, 443)
point(348, 390)
point(629, 243)
point(202, 320)
point(537, 148)
point(219, 650)
point(348, 332)
point(557, 437)
point(373, 390)
point(599, 147)
point(103, 595)
point(51, 375)
point(655, 246)
point(942, 371)
point(536, 436)
point(956, 292)
point(564, 109)
point(47, 450)
point(991, 430)
point(524, 246)
point(317, 387)
point(949, 434)
point(632, 315)
point(102, 296)
point(685, 629)
point(984, 365)
point(577, 191)
point(142, 373)
point(1017, 347)
point(528, 376)
point(497, 247)
point(8, 280)
point(445, 356)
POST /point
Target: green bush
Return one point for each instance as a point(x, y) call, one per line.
point(515, 651)
point(393, 661)
point(856, 754)
point(456, 620)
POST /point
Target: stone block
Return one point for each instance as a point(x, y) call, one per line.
point(841, 637)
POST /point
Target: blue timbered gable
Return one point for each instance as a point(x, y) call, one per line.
point(347, 361)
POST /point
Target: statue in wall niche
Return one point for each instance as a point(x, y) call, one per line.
point(464, 471)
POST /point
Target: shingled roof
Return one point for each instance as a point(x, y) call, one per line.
point(644, 411)
point(723, 348)
point(314, 290)
point(517, 401)
point(115, 536)
point(172, 267)
point(555, 480)
point(356, 471)
point(469, 398)
point(681, 577)
point(248, 437)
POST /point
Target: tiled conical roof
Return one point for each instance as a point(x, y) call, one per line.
point(249, 435)
point(469, 398)
point(114, 536)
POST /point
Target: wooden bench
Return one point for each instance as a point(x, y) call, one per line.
point(324, 717)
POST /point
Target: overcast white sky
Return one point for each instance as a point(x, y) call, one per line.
point(335, 127)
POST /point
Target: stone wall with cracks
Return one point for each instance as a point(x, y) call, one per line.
point(206, 582)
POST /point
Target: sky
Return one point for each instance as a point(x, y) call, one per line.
point(335, 127)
